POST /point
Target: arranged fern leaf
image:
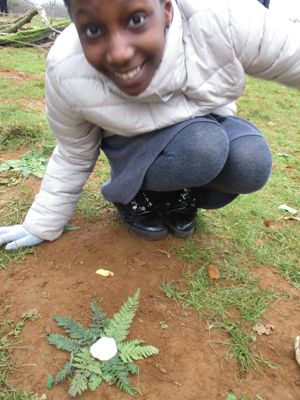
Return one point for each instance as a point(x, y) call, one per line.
point(132, 368)
point(117, 372)
point(78, 384)
point(94, 382)
point(64, 372)
point(99, 319)
point(62, 342)
point(73, 328)
point(123, 383)
point(88, 372)
point(83, 360)
point(132, 350)
point(118, 326)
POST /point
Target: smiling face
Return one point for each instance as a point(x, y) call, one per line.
point(123, 39)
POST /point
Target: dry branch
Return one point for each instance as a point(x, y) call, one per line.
point(16, 24)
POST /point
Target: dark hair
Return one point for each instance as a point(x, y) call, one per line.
point(68, 3)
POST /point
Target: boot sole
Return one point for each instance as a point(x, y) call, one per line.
point(181, 234)
point(145, 234)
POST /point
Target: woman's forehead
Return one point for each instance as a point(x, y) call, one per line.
point(83, 6)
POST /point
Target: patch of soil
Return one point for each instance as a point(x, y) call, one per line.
point(60, 279)
point(27, 104)
point(18, 76)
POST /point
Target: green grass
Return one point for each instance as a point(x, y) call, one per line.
point(10, 339)
point(21, 90)
point(12, 213)
point(27, 60)
point(91, 201)
point(23, 129)
point(232, 304)
point(21, 126)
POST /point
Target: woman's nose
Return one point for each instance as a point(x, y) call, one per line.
point(119, 50)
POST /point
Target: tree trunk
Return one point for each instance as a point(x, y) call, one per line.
point(19, 22)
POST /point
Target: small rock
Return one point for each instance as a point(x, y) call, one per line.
point(47, 329)
point(163, 370)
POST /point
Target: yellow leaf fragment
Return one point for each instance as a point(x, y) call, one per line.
point(104, 272)
point(262, 329)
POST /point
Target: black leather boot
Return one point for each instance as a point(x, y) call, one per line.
point(140, 216)
point(180, 213)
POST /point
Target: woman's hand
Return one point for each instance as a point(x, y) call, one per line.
point(17, 236)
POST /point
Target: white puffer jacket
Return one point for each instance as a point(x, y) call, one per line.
point(210, 46)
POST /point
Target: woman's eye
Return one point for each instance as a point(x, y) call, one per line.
point(137, 20)
point(93, 31)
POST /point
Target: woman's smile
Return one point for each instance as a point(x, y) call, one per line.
point(125, 76)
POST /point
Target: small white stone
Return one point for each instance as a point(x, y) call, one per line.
point(104, 349)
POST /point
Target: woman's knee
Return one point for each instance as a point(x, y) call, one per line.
point(251, 161)
point(194, 157)
point(201, 149)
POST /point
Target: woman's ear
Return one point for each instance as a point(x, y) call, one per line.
point(168, 13)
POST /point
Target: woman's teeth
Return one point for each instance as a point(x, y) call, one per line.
point(128, 75)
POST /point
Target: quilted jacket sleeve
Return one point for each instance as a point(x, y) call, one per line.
point(68, 169)
point(267, 46)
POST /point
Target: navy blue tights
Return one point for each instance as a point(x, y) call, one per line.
point(222, 158)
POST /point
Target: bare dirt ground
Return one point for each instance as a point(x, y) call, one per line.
point(60, 279)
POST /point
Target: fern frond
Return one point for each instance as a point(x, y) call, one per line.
point(62, 342)
point(118, 326)
point(94, 382)
point(109, 369)
point(73, 328)
point(64, 373)
point(132, 350)
point(132, 368)
point(115, 371)
point(99, 319)
point(83, 360)
point(78, 384)
point(124, 384)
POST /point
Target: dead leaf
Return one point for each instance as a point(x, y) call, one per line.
point(291, 219)
point(164, 252)
point(262, 329)
point(161, 368)
point(139, 262)
point(213, 272)
point(279, 221)
point(268, 222)
point(297, 350)
point(104, 272)
point(259, 243)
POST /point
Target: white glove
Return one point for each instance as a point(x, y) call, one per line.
point(16, 236)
